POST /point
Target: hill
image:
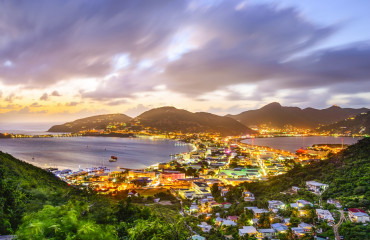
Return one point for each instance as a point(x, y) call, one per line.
point(94, 122)
point(24, 188)
point(171, 119)
point(347, 174)
point(34, 204)
point(359, 124)
point(275, 115)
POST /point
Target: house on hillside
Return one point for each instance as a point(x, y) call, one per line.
point(248, 196)
point(298, 231)
point(324, 215)
point(279, 227)
point(250, 230)
point(316, 187)
point(275, 205)
point(266, 233)
point(205, 227)
point(358, 215)
point(133, 193)
point(334, 202)
point(305, 226)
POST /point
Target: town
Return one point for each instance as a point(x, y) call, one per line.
point(210, 182)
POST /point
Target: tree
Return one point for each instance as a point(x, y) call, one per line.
point(63, 222)
point(216, 192)
point(191, 172)
point(264, 221)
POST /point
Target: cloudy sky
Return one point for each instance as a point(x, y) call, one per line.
point(60, 60)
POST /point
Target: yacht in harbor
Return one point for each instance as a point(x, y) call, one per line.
point(113, 159)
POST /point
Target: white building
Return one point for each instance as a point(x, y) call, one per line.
point(324, 215)
point(316, 187)
point(275, 205)
point(205, 227)
point(250, 230)
point(358, 215)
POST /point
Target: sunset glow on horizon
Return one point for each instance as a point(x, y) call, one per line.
point(62, 60)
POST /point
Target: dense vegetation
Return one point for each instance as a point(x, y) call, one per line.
point(347, 173)
point(34, 204)
point(94, 122)
point(359, 124)
point(170, 119)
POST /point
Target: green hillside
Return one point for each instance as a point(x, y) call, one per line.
point(347, 173)
point(275, 115)
point(24, 188)
point(94, 122)
point(359, 124)
point(34, 204)
point(170, 119)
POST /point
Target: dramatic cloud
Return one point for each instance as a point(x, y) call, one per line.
point(216, 55)
point(249, 45)
point(50, 41)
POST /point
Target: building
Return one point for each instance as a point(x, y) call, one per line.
point(305, 226)
point(275, 205)
point(205, 227)
point(140, 173)
point(197, 237)
point(324, 215)
point(302, 203)
point(358, 215)
point(226, 205)
point(266, 232)
point(186, 193)
point(170, 176)
point(233, 218)
point(226, 222)
point(250, 230)
point(248, 196)
point(316, 187)
point(257, 211)
point(201, 188)
point(279, 227)
point(334, 202)
point(298, 231)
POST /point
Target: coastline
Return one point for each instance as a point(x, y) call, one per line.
point(44, 164)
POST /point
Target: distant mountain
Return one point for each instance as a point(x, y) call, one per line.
point(359, 124)
point(94, 122)
point(275, 115)
point(172, 119)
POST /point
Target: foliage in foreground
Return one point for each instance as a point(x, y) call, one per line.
point(34, 204)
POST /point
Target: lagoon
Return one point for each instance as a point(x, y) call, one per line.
point(82, 152)
point(294, 143)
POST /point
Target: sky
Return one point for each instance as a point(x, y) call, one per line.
point(65, 59)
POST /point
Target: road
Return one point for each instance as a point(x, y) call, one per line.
point(336, 226)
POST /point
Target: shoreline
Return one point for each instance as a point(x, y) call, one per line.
point(191, 148)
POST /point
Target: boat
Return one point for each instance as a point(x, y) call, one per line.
point(113, 159)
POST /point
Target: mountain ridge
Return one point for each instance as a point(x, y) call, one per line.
point(172, 119)
point(273, 115)
point(93, 122)
point(276, 115)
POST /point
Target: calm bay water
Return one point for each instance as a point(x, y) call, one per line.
point(75, 152)
point(294, 143)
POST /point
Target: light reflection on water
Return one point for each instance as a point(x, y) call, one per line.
point(75, 152)
point(294, 143)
